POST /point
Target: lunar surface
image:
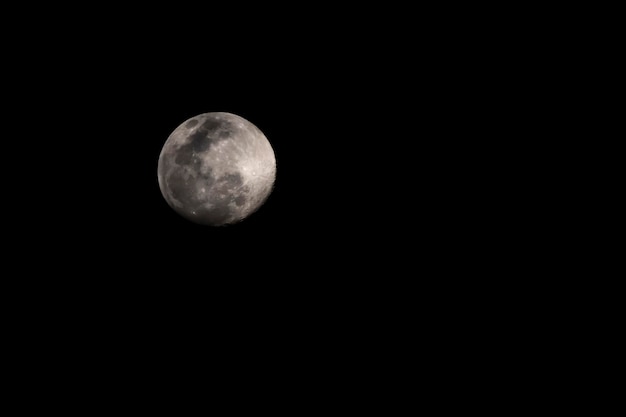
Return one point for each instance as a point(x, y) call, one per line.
point(216, 169)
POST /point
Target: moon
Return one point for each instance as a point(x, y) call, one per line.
point(216, 169)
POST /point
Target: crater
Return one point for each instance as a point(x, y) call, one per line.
point(231, 180)
point(206, 178)
point(240, 200)
point(224, 133)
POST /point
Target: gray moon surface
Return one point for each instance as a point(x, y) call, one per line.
point(216, 169)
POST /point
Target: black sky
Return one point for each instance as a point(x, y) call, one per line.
point(384, 136)
point(409, 228)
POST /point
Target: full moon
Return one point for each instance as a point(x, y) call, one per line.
point(216, 169)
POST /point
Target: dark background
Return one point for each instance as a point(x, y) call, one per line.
point(411, 245)
point(387, 128)
point(398, 208)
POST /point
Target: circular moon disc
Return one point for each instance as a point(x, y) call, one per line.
point(216, 169)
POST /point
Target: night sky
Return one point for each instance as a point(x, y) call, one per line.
point(393, 179)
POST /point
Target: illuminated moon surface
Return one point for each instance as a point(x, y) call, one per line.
point(216, 169)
